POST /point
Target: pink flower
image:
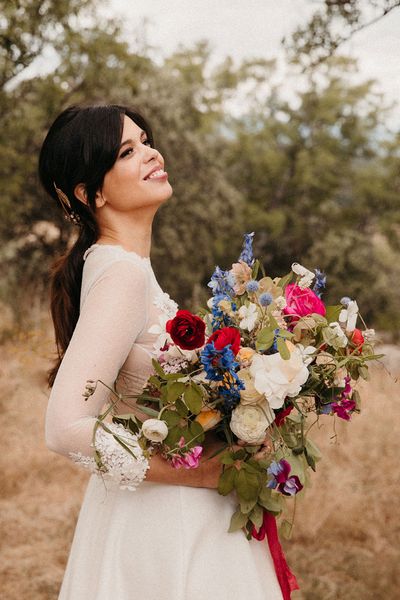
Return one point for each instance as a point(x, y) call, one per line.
point(188, 460)
point(301, 302)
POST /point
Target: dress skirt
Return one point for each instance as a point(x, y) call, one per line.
point(163, 542)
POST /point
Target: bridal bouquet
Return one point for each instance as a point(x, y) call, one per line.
point(263, 363)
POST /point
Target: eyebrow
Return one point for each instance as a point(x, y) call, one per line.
point(130, 141)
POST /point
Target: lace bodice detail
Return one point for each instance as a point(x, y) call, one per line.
point(122, 309)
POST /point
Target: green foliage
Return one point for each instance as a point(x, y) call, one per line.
point(315, 183)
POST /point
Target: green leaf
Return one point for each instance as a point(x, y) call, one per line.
point(247, 485)
point(238, 521)
point(283, 349)
point(265, 338)
point(227, 459)
point(357, 399)
point(226, 481)
point(154, 381)
point(272, 501)
point(193, 398)
point(247, 505)
point(273, 323)
point(283, 282)
point(285, 529)
point(256, 516)
point(148, 411)
point(284, 333)
point(255, 269)
point(171, 417)
point(158, 368)
point(175, 390)
point(181, 408)
point(197, 431)
point(332, 313)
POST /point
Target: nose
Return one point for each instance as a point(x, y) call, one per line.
point(151, 153)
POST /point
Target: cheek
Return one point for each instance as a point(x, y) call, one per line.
point(121, 180)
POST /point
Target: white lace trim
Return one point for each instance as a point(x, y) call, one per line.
point(122, 469)
point(163, 301)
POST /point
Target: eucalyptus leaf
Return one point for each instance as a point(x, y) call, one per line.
point(283, 349)
point(257, 516)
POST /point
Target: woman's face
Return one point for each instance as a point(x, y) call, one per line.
point(137, 178)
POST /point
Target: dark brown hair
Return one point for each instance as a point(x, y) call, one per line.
point(81, 146)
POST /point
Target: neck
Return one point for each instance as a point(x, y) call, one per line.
point(132, 232)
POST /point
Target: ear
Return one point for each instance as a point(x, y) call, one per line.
point(99, 199)
point(80, 192)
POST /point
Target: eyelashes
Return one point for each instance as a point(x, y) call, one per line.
point(130, 150)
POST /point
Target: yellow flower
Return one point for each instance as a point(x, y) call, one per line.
point(208, 418)
point(245, 355)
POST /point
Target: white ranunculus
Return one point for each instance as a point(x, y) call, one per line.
point(155, 430)
point(250, 422)
point(278, 378)
point(248, 315)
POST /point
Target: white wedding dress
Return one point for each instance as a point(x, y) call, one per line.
point(158, 542)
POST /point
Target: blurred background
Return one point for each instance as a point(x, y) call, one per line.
point(274, 117)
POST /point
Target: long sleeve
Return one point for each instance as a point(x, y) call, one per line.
point(112, 316)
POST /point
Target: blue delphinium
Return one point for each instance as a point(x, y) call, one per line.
point(222, 282)
point(247, 250)
point(217, 362)
point(231, 392)
point(219, 318)
point(320, 282)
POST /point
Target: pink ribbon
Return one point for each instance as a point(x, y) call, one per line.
point(287, 580)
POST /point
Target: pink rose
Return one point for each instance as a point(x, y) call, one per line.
point(301, 302)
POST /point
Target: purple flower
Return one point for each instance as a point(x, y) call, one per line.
point(247, 250)
point(289, 486)
point(345, 404)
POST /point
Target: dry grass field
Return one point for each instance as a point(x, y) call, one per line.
point(345, 544)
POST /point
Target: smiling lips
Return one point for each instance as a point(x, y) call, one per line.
point(157, 173)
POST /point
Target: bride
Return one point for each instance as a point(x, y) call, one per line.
point(168, 538)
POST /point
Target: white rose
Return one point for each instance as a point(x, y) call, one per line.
point(155, 430)
point(249, 395)
point(278, 378)
point(250, 423)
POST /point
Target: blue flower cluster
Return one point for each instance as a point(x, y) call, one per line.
point(320, 282)
point(247, 250)
point(220, 319)
point(220, 366)
point(222, 282)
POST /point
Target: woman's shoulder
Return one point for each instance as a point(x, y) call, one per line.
point(121, 268)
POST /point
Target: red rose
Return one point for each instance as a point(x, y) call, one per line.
point(301, 302)
point(186, 330)
point(357, 339)
point(224, 336)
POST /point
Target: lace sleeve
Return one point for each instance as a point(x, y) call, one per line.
point(122, 468)
point(112, 317)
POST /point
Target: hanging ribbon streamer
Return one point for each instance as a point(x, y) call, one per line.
point(286, 579)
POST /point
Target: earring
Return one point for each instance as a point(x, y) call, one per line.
point(70, 214)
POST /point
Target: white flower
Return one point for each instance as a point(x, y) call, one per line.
point(348, 316)
point(340, 375)
point(306, 276)
point(249, 395)
point(307, 353)
point(278, 378)
point(369, 335)
point(280, 302)
point(167, 305)
point(250, 422)
point(341, 337)
point(248, 315)
point(155, 430)
point(176, 352)
point(159, 329)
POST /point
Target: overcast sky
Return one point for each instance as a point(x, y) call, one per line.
point(245, 28)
